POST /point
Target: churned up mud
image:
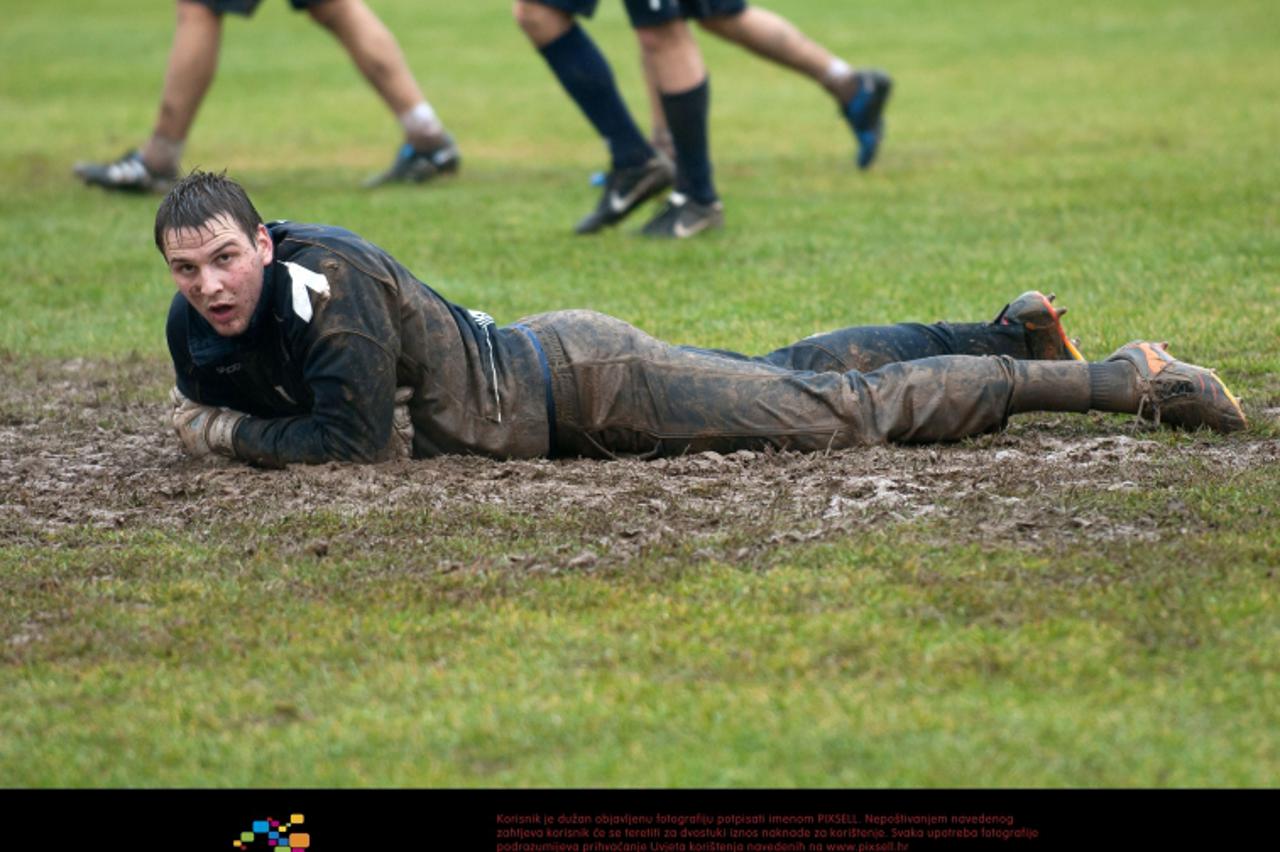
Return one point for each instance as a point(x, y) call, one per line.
point(84, 444)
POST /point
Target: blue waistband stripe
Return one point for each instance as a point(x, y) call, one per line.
point(546, 382)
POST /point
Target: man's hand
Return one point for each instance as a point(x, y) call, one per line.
point(402, 425)
point(203, 429)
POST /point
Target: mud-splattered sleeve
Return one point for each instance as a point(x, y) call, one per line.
point(348, 356)
point(353, 380)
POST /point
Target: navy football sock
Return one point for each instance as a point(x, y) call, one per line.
point(687, 117)
point(586, 76)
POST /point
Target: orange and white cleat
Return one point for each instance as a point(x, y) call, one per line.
point(1046, 339)
point(1178, 393)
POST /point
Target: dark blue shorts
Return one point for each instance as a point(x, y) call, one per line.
point(247, 7)
point(652, 13)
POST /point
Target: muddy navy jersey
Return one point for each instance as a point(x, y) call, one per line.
point(339, 326)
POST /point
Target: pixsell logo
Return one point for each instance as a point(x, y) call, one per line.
point(270, 834)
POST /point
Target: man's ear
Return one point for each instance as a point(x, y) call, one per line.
point(265, 247)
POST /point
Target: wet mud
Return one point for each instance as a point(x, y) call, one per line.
point(87, 445)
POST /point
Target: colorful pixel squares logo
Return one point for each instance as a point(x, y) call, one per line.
point(269, 834)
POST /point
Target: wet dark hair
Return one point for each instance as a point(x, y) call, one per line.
point(201, 196)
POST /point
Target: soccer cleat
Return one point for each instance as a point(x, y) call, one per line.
point(865, 113)
point(682, 217)
point(625, 190)
point(414, 166)
point(1041, 322)
point(127, 174)
point(1178, 393)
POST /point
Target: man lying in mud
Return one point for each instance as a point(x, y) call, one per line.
point(305, 343)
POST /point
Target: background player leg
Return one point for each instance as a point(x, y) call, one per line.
point(636, 172)
point(775, 38)
point(193, 60)
point(659, 132)
point(428, 150)
point(680, 75)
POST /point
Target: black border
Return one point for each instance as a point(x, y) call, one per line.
point(465, 819)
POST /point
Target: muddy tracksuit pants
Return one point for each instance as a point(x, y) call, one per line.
point(618, 391)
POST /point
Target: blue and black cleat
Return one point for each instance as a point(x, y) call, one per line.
point(865, 113)
point(413, 166)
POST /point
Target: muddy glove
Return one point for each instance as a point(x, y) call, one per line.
point(203, 429)
point(401, 425)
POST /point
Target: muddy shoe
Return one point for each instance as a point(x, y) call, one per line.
point(682, 217)
point(1041, 321)
point(625, 190)
point(414, 166)
point(865, 113)
point(1178, 393)
point(127, 174)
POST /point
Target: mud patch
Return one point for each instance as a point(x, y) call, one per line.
point(86, 445)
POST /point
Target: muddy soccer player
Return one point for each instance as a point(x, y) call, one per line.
point(306, 343)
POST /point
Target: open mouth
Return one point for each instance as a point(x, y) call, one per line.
point(221, 313)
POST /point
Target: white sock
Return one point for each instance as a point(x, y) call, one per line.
point(837, 71)
point(422, 125)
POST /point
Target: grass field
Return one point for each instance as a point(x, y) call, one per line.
point(1075, 602)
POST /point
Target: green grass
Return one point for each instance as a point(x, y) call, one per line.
point(884, 661)
point(1121, 154)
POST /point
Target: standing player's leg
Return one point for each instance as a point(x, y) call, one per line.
point(861, 94)
point(428, 149)
point(636, 171)
point(684, 89)
point(659, 132)
point(193, 60)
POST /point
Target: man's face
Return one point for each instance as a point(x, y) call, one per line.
point(219, 270)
